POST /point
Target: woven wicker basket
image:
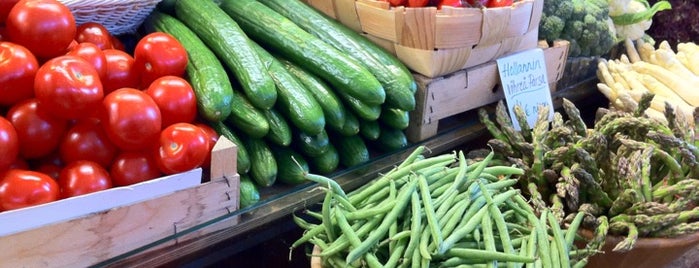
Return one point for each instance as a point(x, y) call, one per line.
point(118, 16)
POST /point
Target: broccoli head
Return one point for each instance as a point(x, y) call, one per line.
point(583, 22)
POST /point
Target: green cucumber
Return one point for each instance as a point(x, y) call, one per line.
point(249, 195)
point(293, 99)
point(243, 158)
point(325, 163)
point(395, 78)
point(351, 126)
point(395, 118)
point(369, 129)
point(391, 139)
point(292, 165)
point(204, 72)
point(312, 145)
point(279, 130)
point(331, 104)
point(246, 117)
point(228, 41)
point(263, 169)
point(360, 108)
point(270, 28)
point(352, 150)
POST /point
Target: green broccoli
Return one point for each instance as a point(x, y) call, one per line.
point(583, 22)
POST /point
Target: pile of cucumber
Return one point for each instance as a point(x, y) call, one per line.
point(297, 91)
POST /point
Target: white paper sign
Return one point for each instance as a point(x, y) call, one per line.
point(524, 80)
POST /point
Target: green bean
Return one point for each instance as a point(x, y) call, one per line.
point(448, 204)
point(523, 250)
point(441, 190)
point(559, 238)
point(543, 242)
point(531, 247)
point(401, 203)
point(382, 182)
point(415, 224)
point(581, 263)
point(393, 229)
point(325, 210)
point(333, 261)
point(307, 235)
point(342, 242)
point(488, 236)
point(375, 198)
point(486, 255)
point(430, 214)
point(454, 216)
point(423, 246)
point(416, 259)
point(555, 258)
point(443, 177)
point(354, 240)
point(498, 219)
point(315, 215)
point(573, 230)
point(513, 227)
point(396, 253)
point(325, 181)
point(302, 223)
point(460, 176)
point(489, 177)
point(412, 157)
point(503, 170)
point(371, 212)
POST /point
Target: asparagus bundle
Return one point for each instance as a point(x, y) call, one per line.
point(631, 173)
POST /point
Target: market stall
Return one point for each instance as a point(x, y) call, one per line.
point(321, 133)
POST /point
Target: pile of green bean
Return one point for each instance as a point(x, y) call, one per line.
point(437, 212)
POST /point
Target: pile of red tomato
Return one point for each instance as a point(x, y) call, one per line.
point(451, 3)
point(78, 114)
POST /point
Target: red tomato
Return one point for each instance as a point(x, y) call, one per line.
point(159, 54)
point(95, 33)
point(451, 3)
point(83, 177)
point(3, 33)
point(132, 119)
point(395, 3)
point(499, 3)
point(213, 138)
point(24, 188)
point(37, 130)
point(175, 98)
point(418, 3)
point(92, 54)
point(478, 3)
point(133, 167)
point(18, 67)
point(45, 27)
point(183, 146)
point(69, 87)
point(9, 144)
point(120, 71)
point(87, 140)
point(5, 7)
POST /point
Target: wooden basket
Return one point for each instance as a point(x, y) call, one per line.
point(441, 97)
point(437, 42)
point(647, 252)
point(104, 234)
point(118, 16)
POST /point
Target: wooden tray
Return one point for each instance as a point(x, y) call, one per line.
point(442, 97)
point(101, 235)
point(437, 42)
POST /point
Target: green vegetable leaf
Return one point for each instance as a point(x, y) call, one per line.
point(633, 18)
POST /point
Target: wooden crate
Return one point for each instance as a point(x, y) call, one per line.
point(435, 42)
point(468, 89)
point(104, 234)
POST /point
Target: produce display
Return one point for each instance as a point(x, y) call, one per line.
point(438, 211)
point(451, 3)
point(80, 114)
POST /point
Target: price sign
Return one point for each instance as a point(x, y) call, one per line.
point(525, 83)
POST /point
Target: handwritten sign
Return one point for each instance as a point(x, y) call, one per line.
point(523, 78)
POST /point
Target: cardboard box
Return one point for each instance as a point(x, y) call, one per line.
point(85, 230)
point(435, 42)
point(468, 89)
